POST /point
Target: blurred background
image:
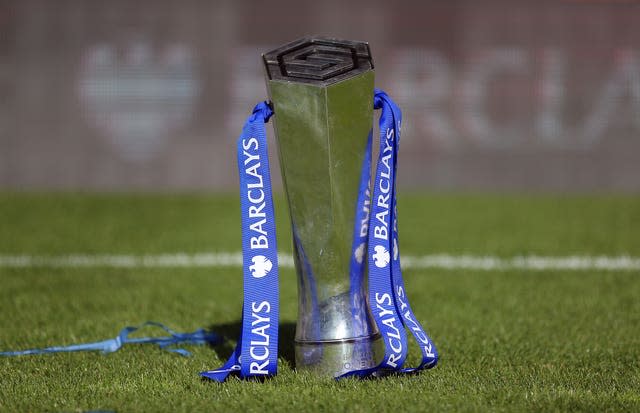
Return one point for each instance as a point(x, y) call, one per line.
point(150, 95)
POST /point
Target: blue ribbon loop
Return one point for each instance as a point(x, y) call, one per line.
point(256, 352)
point(199, 336)
point(387, 294)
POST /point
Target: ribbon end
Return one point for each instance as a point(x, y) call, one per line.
point(216, 375)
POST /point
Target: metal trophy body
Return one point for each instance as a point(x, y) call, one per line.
point(322, 93)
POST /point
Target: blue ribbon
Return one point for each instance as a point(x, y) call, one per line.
point(387, 294)
point(256, 352)
point(109, 346)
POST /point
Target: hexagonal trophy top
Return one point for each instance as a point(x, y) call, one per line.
point(318, 60)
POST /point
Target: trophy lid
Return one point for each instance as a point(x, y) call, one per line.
point(318, 60)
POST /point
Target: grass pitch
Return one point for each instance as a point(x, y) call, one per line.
point(509, 340)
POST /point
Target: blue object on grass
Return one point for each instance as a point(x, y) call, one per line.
point(199, 336)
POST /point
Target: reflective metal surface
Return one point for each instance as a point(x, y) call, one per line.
point(322, 127)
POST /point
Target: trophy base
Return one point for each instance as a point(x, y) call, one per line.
point(333, 358)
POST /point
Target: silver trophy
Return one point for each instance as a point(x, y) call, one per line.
point(322, 95)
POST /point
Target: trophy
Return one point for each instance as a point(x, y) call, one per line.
point(322, 90)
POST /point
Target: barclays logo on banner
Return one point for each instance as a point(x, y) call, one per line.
point(137, 96)
point(261, 266)
point(381, 257)
point(359, 253)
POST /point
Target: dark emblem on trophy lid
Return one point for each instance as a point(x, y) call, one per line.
point(318, 60)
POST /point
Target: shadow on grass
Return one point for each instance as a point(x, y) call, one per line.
point(231, 332)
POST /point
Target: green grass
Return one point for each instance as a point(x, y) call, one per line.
point(509, 341)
